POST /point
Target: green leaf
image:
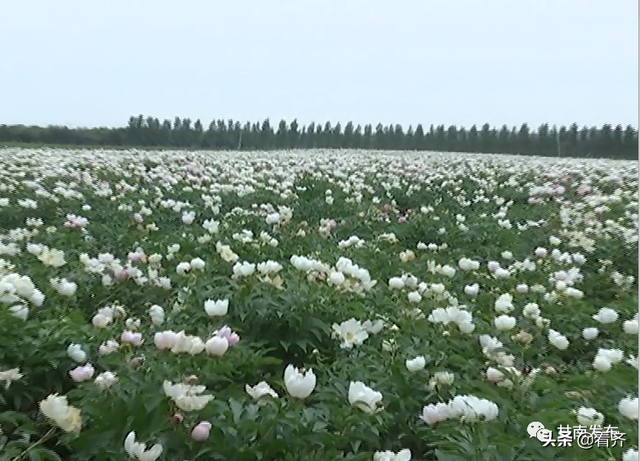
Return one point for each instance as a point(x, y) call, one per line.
point(443, 456)
point(236, 410)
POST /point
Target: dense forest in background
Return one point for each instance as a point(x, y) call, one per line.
point(573, 141)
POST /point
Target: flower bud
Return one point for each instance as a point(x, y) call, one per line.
point(233, 339)
point(191, 380)
point(200, 433)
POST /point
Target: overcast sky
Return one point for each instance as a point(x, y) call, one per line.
point(403, 61)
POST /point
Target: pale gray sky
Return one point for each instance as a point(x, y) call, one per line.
point(392, 61)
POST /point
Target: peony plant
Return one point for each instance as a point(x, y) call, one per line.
point(199, 306)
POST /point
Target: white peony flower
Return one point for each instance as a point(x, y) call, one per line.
point(589, 416)
point(363, 397)
point(628, 406)
point(504, 322)
point(415, 364)
point(186, 396)
point(139, 450)
point(299, 384)
point(57, 409)
point(216, 308)
point(260, 390)
point(75, 352)
point(606, 315)
point(350, 332)
point(402, 455)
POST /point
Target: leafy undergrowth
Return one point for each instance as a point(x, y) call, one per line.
point(289, 306)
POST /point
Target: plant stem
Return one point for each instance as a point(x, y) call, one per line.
point(38, 442)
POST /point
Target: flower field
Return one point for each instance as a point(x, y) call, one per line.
point(316, 305)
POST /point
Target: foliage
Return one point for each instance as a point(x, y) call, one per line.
point(606, 142)
point(154, 236)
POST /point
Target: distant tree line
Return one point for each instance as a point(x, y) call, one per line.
point(573, 141)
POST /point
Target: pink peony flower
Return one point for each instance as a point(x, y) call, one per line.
point(201, 431)
point(82, 373)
